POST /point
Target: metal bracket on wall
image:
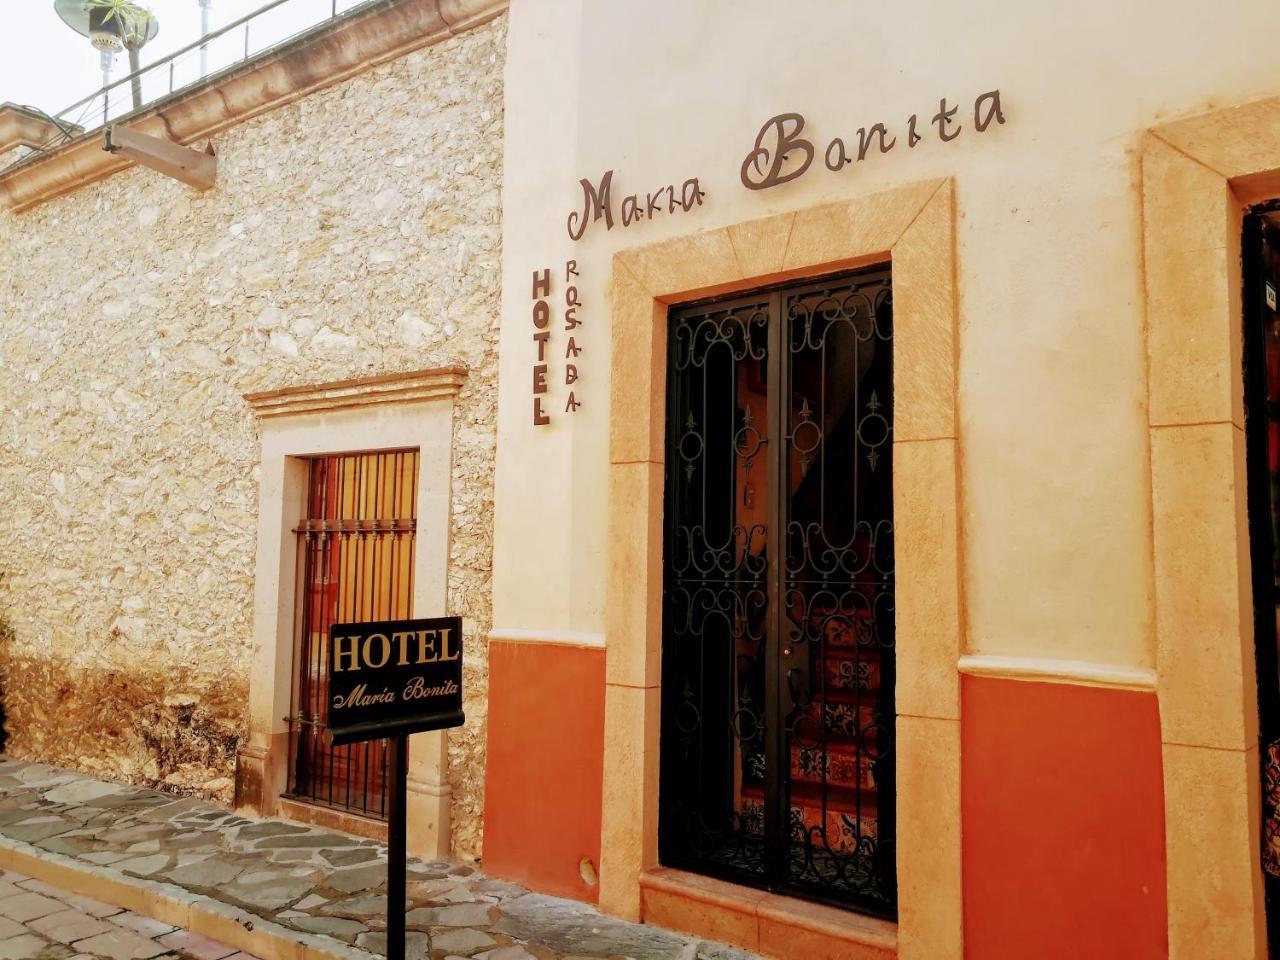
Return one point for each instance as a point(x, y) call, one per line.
point(193, 167)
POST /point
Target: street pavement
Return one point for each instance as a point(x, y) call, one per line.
point(310, 879)
point(39, 921)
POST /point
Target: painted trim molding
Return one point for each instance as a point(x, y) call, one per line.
point(1075, 672)
point(327, 55)
point(565, 638)
point(416, 385)
point(1198, 176)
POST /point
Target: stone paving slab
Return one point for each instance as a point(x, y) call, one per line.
point(83, 929)
point(311, 880)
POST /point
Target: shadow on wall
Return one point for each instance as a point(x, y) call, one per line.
point(6, 643)
point(177, 730)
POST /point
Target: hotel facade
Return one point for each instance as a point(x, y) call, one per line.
point(849, 437)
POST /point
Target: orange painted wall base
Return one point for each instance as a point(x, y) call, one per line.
point(1063, 822)
point(545, 766)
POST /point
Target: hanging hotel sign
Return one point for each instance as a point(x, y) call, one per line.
point(394, 677)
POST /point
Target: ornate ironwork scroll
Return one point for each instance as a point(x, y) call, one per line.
point(715, 597)
point(778, 716)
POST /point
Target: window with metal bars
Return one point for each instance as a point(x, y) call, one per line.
point(355, 564)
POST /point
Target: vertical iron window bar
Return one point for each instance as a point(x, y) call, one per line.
point(777, 757)
point(355, 564)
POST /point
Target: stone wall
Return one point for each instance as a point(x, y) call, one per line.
point(354, 232)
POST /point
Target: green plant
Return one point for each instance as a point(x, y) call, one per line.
point(131, 18)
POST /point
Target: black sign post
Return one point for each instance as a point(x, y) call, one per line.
point(390, 679)
point(397, 843)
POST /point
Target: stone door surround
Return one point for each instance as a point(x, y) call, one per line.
point(1199, 175)
point(402, 410)
point(913, 227)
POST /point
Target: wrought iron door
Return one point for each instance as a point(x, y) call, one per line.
point(777, 765)
point(355, 564)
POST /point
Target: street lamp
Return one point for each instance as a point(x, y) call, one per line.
point(110, 25)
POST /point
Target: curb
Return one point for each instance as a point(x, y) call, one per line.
point(169, 903)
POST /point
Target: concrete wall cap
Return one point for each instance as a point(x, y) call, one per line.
point(331, 53)
point(22, 126)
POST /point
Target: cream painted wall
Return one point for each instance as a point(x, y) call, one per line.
point(551, 578)
point(1056, 514)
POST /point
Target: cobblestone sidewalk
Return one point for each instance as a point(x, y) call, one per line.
point(39, 921)
point(311, 879)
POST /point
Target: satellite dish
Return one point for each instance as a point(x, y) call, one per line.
point(76, 14)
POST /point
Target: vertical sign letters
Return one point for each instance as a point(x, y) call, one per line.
point(541, 336)
point(572, 322)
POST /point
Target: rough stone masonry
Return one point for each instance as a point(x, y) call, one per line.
point(351, 233)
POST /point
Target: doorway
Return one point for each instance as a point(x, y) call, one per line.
point(777, 711)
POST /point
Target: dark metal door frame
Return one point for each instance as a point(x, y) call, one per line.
point(776, 812)
point(766, 855)
point(1262, 545)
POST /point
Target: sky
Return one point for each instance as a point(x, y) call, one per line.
point(47, 65)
